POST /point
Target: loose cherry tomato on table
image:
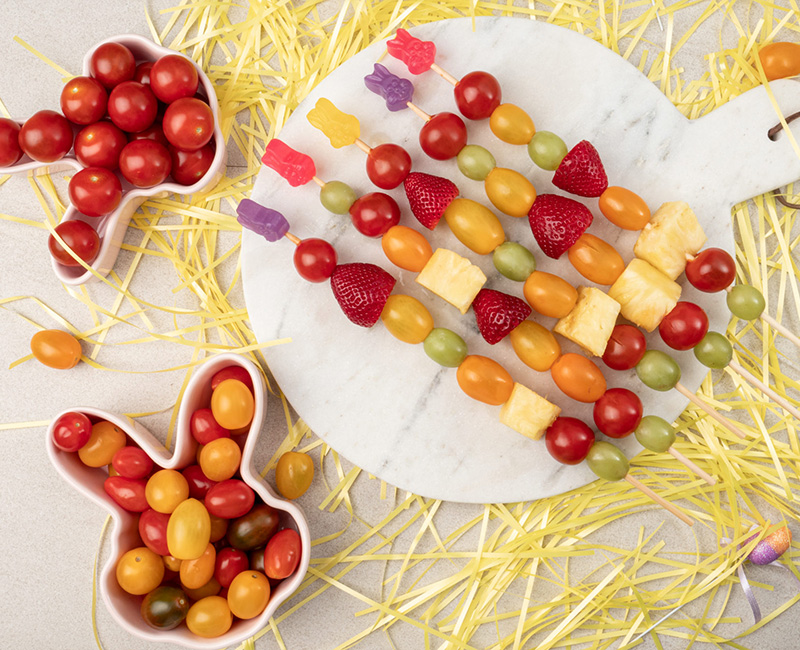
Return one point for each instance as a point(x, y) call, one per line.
point(127, 493)
point(232, 372)
point(209, 617)
point(230, 563)
point(188, 167)
point(173, 77)
point(84, 100)
point(111, 64)
point(374, 214)
point(46, 136)
point(80, 237)
point(232, 404)
point(205, 428)
point(139, 571)
point(56, 349)
point(132, 462)
point(165, 608)
point(618, 412)
point(568, 440)
point(230, 499)
point(293, 474)
point(684, 327)
point(10, 151)
point(625, 348)
point(248, 594)
point(95, 191)
point(188, 123)
point(71, 431)
point(282, 554)
point(145, 163)
point(780, 60)
point(132, 106)
point(153, 531)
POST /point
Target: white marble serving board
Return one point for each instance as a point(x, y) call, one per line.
point(383, 404)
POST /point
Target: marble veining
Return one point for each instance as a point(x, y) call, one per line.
point(382, 403)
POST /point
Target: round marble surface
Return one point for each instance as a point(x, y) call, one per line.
point(383, 404)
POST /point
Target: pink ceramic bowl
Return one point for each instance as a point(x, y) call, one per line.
point(111, 228)
point(124, 534)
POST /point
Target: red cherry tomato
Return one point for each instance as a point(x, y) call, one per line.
point(142, 74)
point(625, 348)
point(153, 530)
point(154, 132)
point(10, 151)
point(132, 462)
point(145, 163)
point(374, 213)
point(477, 95)
point(232, 372)
point(199, 483)
point(111, 64)
point(388, 165)
point(230, 562)
point(568, 440)
point(95, 191)
point(618, 412)
point(230, 499)
point(72, 431)
point(46, 136)
point(712, 270)
point(314, 259)
point(188, 167)
point(128, 493)
point(172, 77)
point(80, 237)
point(84, 100)
point(205, 428)
point(443, 136)
point(132, 106)
point(282, 554)
point(188, 123)
point(99, 145)
point(684, 327)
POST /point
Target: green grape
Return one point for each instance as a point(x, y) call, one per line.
point(475, 162)
point(547, 150)
point(655, 433)
point(714, 350)
point(746, 302)
point(514, 261)
point(445, 347)
point(337, 197)
point(608, 462)
point(658, 370)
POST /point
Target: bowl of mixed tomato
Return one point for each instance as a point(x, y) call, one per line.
point(141, 121)
point(202, 551)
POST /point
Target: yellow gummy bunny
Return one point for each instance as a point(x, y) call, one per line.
point(342, 129)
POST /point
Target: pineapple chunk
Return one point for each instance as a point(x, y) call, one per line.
point(645, 294)
point(528, 413)
point(672, 235)
point(591, 320)
point(453, 278)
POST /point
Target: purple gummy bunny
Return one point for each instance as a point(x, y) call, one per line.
point(271, 224)
point(395, 90)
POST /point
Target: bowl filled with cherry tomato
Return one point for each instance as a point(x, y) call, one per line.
point(202, 551)
point(141, 121)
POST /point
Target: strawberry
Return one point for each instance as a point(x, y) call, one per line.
point(361, 291)
point(498, 313)
point(429, 196)
point(557, 222)
point(581, 171)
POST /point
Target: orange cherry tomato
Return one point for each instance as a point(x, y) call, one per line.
point(294, 474)
point(209, 617)
point(578, 378)
point(139, 571)
point(220, 459)
point(509, 191)
point(232, 404)
point(165, 490)
point(780, 60)
point(511, 124)
point(596, 260)
point(211, 588)
point(406, 248)
point(195, 573)
point(624, 208)
point(172, 563)
point(484, 379)
point(549, 294)
point(535, 345)
point(105, 441)
point(248, 594)
point(56, 349)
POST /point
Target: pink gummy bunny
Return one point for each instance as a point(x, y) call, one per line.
point(418, 55)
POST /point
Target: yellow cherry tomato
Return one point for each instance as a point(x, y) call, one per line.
point(406, 318)
point(195, 573)
point(511, 124)
point(549, 294)
point(484, 379)
point(294, 474)
point(172, 563)
point(248, 594)
point(211, 588)
point(624, 208)
point(220, 459)
point(105, 441)
point(165, 490)
point(578, 377)
point(209, 617)
point(596, 260)
point(780, 60)
point(406, 248)
point(188, 530)
point(475, 225)
point(510, 192)
point(232, 404)
point(535, 345)
point(56, 349)
point(139, 571)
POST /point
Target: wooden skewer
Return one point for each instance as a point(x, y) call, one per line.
point(292, 238)
point(318, 181)
point(419, 112)
point(781, 328)
point(363, 146)
point(725, 422)
point(659, 500)
point(444, 74)
point(755, 381)
point(694, 468)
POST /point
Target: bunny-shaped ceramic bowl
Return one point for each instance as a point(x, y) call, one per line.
point(111, 228)
point(124, 535)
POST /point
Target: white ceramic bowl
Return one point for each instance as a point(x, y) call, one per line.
point(111, 228)
point(124, 534)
